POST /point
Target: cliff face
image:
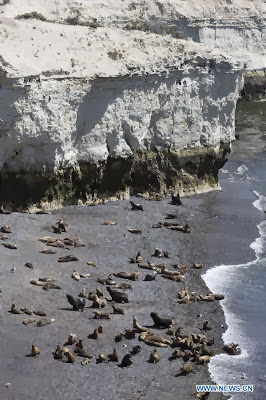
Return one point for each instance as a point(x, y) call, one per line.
point(91, 112)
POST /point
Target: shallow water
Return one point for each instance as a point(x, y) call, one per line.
point(244, 285)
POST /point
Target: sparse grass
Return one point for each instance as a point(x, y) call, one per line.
point(76, 21)
point(32, 15)
point(138, 24)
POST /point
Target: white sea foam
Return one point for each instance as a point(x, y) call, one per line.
point(241, 170)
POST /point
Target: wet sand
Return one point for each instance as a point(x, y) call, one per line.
point(220, 233)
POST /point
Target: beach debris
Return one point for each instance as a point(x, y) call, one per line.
point(197, 265)
point(232, 348)
point(113, 356)
point(36, 282)
point(92, 264)
point(154, 357)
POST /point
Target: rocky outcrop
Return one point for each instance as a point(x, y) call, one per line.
point(106, 111)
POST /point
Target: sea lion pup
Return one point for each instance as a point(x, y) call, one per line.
point(126, 361)
point(92, 264)
point(67, 259)
point(154, 340)
point(82, 353)
point(109, 223)
point(3, 211)
point(83, 294)
point(117, 297)
point(207, 326)
point(118, 337)
point(186, 368)
point(122, 285)
point(50, 285)
point(161, 322)
point(176, 199)
point(15, 309)
point(207, 297)
point(28, 321)
point(71, 358)
point(117, 310)
point(130, 334)
point(202, 396)
point(113, 356)
point(218, 296)
point(47, 251)
point(59, 353)
point(183, 293)
point(62, 225)
point(95, 333)
point(150, 277)
point(76, 276)
point(44, 322)
point(36, 282)
point(100, 315)
point(56, 229)
point(137, 259)
point(136, 349)
point(35, 350)
point(127, 275)
point(187, 355)
point(135, 206)
point(171, 216)
point(11, 246)
point(154, 357)
point(137, 327)
point(232, 348)
point(99, 292)
point(25, 310)
point(29, 265)
point(206, 351)
point(157, 253)
point(39, 313)
point(101, 358)
point(197, 265)
point(184, 300)
point(72, 338)
point(5, 229)
point(176, 354)
point(78, 304)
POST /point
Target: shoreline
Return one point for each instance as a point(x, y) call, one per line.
point(201, 245)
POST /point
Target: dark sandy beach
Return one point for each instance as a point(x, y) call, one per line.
point(221, 226)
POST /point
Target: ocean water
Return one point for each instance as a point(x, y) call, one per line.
point(244, 285)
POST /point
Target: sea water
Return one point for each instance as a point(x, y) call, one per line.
point(244, 285)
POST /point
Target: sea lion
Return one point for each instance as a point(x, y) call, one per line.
point(96, 302)
point(5, 229)
point(50, 285)
point(137, 259)
point(201, 359)
point(135, 206)
point(80, 344)
point(92, 264)
point(44, 322)
point(36, 282)
point(113, 356)
point(175, 278)
point(136, 349)
point(184, 300)
point(135, 231)
point(187, 355)
point(166, 271)
point(126, 360)
point(130, 334)
point(137, 327)
point(154, 357)
point(56, 229)
point(202, 396)
point(47, 239)
point(35, 350)
point(71, 358)
point(67, 259)
point(78, 304)
point(109, 223)
point(206, 351)
point(182, 228)
point(100, 315)
point(3, 211)
point(176, 199)
point(101, 358)
point(72, 338)
point(43, 212)
point(127, 275)
point(29, 265)
point(47, 251)
point(75, 276)
point(11, 246)
point(197, 265)
point(117, 310)
point(59, 353)
point(117, 297)
point(154, 340)
point(176, 354)
point(207, 326)
point(186, 368)
point(208, 297)
point(157, 253)
point(181, 268)
point(161, 322)
point(58, 243)
point(99, 292)
point(171, 216)
point(118, 337)
point(15, 309)
point(62, 225)
point(26, 311)
point(150, 277)
point(39, 313)
point(3, 237)
point(28, 321)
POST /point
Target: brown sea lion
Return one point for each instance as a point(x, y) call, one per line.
point(136, 349)
point(100, 315)
point(113, 356)
point(36, 282)
point(40, 313)
point(154, 357)
point(92, 264)
point(47, 251)
point(82, 353)
point(94, 335)
point(28, 321)
point(96, 302)
point(50, 285)
point(67, 259)
point(197, 265)
point(101, 358)
point(56, 229)
point(117, 297)
point(184, 300)
point(154, 340)
point(135, 231)
point(44, 322)
point(137, 327)
point(118, 337)
point(3, 211)
point(11, 246)
point(160, 321)
point(72, 338)
point(35, 350)
point(71, 358)
point(201, 359)
point(59, 353)
point(3, 237)
point(186, 368)
point(207, 326)
point(5, 229)
point(176, 354)
point(15, 309)
point(62, 225)
point(117, 310)
point(202, 396)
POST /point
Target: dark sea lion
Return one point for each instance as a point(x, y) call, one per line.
point(134, 230)
point(136, 349)
point(135, 206)
point(114, 356)
point(40, 313)
point(3, 211)
point(137, 259)
point(126, 361)
point(12, 246)
point(232, 348)
point(130, 334)
point(101, 358)
point(150, 277)
point(117, 310)
point(207, 326)
point(67, 259)
point(44, 322)
point(218, 296)
point(82, 353)
point(117, 297)
point(94, 335)
point(78, 304)
point(5, 229)
point(118, 337)
point(29, 265)
point(176, 199)
point(161, 322)
point(43, 212)
point(59, 353)
point(56, 229)
point(154, 357)
point(62, 225)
